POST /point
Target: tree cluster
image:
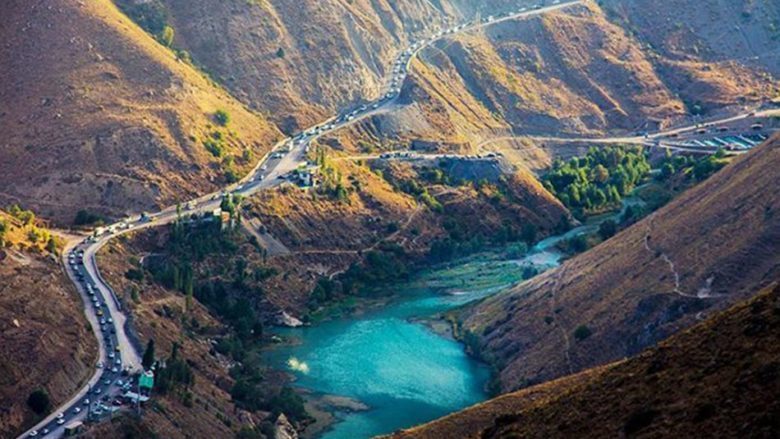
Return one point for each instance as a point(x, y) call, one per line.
point(598, 180)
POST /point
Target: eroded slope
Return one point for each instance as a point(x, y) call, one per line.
point(712, 246)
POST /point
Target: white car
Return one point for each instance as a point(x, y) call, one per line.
point(33, 433)
point(61, 415)
point(86, 401)
point(77, 410)
point(60, 421)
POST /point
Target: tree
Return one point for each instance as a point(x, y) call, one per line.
point(607, 229)
point(148, 358)
point(38, 401)
point(582, 332)
point(222, 117)
point(600, 174)
point(51, 245)
point(280, 53)
point(667, 170)
point(166, 36)
point(3, 230)
point(84, 217)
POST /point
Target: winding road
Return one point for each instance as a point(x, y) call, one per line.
point(119, 353)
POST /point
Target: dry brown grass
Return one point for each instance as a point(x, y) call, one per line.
point(722, 239)
point(96, 114)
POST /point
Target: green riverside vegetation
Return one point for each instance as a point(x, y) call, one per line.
point(598, 181)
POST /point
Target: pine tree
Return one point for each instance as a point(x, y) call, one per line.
point(148, 358)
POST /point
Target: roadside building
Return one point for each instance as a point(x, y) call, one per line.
point(146, 382)
point(73, 428)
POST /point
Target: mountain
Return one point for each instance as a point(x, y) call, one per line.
point(583, 70)
point(300, 62)
point(46, 341)
point(97, 115)
point(712, 246)
point(720, 377)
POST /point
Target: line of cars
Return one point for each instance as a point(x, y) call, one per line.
point(111, 366)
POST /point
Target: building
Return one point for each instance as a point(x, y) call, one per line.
point(73, 428)
point(146, 381)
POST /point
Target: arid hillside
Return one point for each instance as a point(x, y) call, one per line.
point(720, 377)
point(575, 71)
point(683, 33)
point(97, 115)
point(712, 246)
point(707, 53)
point(300, 61)
point(46, 341)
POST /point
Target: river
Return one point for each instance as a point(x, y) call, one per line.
point(403, 371)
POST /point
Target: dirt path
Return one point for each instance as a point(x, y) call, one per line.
point(702, 293)
point(272, 246)
point(553, 306)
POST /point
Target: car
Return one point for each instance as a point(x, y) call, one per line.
point(117, 349)
point(99, 365)
point(86, 401)
point(110, 320)
point(61, 415)
point(120, 383)
point(77, 410)
point(118, 362)
point(33, 433)
point(44, 432)
point(97, 391)
point(111, 355)
point(114, 370)
point(107, 381)
point(60, 421)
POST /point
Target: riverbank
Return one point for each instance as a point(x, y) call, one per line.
point(394, 350)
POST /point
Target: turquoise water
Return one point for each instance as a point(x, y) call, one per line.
point(401, 369)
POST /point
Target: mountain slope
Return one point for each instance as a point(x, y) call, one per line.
point(573, 71)
point(95, 114)
point(299, 61)
point(712, 246)
point(719, 377)
point(46, 340)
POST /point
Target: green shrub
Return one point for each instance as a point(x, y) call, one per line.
point(214, 146)
point(166, 36)
point(222, 117)
point(84, 217)
point(38, 401)
point(582, 332)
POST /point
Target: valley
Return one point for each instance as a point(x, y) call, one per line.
point(346, 219)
